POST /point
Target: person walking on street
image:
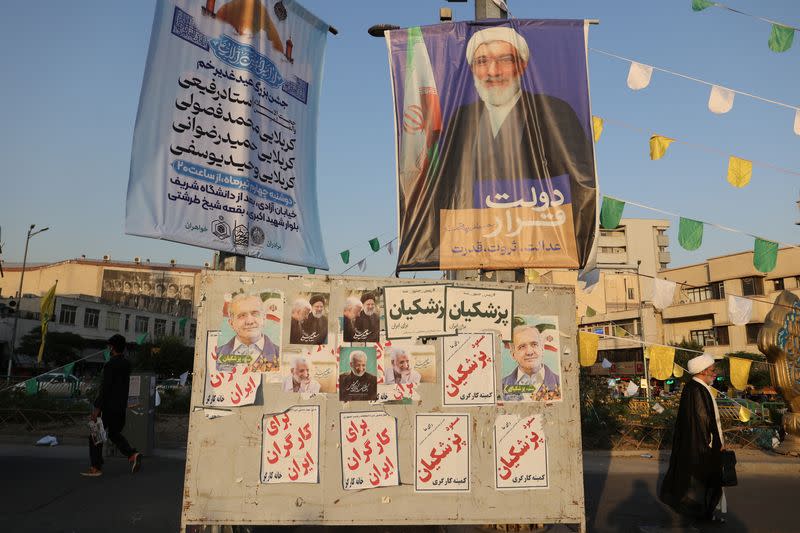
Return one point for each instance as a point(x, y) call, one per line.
point(692, 485)
point(111, 404)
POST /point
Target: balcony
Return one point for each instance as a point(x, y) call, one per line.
point(612, 240)
point(718, 308)
point(612, 259)
point(662, 240)
point(664, 257)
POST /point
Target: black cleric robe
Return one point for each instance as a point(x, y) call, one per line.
point(692, 484)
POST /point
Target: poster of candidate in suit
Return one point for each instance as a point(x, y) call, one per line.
point(495, 161)
point(251, 331)
point(531, 362)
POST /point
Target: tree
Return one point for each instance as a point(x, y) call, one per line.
point(59, 347)
point(167, 357)
point(684, 351)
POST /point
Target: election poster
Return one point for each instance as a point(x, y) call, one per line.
point(471, 309)
point(531, 362)
point(358, 374)
point(361, 316)
point(290, 446)
point(250, 331)
point(468, 369)
point(495, 160)
point(403, 365)
point(369, 450)
point(441, 455)
point(168, 293)
point(224, 147)
point(520, 452)
point(308, 317)
point(309, 370)
point(231, 385)
point(414, 311)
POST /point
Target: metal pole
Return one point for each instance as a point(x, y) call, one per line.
point(19, 307)
point(641, 328)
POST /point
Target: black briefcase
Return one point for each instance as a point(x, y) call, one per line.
point(728, 459)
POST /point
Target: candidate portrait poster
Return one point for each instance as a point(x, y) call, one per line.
point(495, 163)
point(224, 147)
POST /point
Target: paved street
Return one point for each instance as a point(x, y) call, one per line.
point(43, 493)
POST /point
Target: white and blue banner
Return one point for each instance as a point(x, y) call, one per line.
point(224, 150)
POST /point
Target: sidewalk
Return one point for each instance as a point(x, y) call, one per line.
point(634, 461)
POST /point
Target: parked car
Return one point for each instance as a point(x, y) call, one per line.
point(169, 383)
point(57, 384)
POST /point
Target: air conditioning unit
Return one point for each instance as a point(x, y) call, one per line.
point(106, 258)
point(137, 259)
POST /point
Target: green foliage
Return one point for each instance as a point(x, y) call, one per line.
point(600, 415)
point(167, 357)
point(60, 347)
point(684, 351)
point(175, 400)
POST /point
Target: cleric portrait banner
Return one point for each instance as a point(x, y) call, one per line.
point(495, 160)
point(224, 148)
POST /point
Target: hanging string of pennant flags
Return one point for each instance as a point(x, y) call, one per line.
point(781, 36)
point(740, 170)
point(375, 246)
point(720, 99)
point(662, 364)
point(690, 232)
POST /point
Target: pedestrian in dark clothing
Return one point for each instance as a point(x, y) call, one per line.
point(111, 404)
point(692, 485)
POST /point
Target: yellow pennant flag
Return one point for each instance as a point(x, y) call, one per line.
point(662, 361)
point(587, 348)
point(597, 127)
point(740, 372)
point(739, 171)
point(47, 307)
point(744, 414)
point(677, 371)
point(658, 146)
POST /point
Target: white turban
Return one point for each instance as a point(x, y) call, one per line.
point(700, 363)
point(498, 33)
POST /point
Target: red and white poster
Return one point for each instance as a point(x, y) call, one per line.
point(290, 446)
point(442, 453)
point(520, 452)
point(230, 386)
point(469, 376)
point(369, 450)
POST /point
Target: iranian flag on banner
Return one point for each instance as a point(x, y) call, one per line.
point(422, 117)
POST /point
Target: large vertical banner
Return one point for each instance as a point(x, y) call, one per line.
point(495, 159)
point(224, 149)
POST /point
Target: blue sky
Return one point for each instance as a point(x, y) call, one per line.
point(72, 71)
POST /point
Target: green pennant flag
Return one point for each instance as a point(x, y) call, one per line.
point(590, 311)
point(345, 256)
point(140, 339)
point(374, 244)
point(182, 322)
point(611, 212)
point(31, 387)
point(311, 270)
point(781, 38)
point(107, 354)
point(68, 369)
point(765, 255)
point(690, 233)
point(699, 5)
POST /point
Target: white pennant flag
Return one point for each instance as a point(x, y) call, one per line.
point(663, 293)
point(632, 389)
point(606, 363)
point(389, 248)
point(184, 377)
point(639, 75)
point(720, 100)
point(362, 265)
point(797, 122)
point(587, 281)
point(740, 310)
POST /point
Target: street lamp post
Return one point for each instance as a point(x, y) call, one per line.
point(31, 233)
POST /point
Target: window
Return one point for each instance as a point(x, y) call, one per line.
point(661, 231)
point(160, 328)
point(193, 331)
point(630, 294)
point(127, 322)
point(91, 318)
point(182, 329)
point(718, 290)
point(703, 337)
point(777, 284)
point(721, 334)
point(112, 321)
point(752, 332)
point(173, 328)
point(664, 265)
point(612, 249)
point(67, 315)
point(752, 286)
point(142, 324)
point(698, 294)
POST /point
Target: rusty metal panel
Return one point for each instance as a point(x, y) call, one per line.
point(223, 455)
